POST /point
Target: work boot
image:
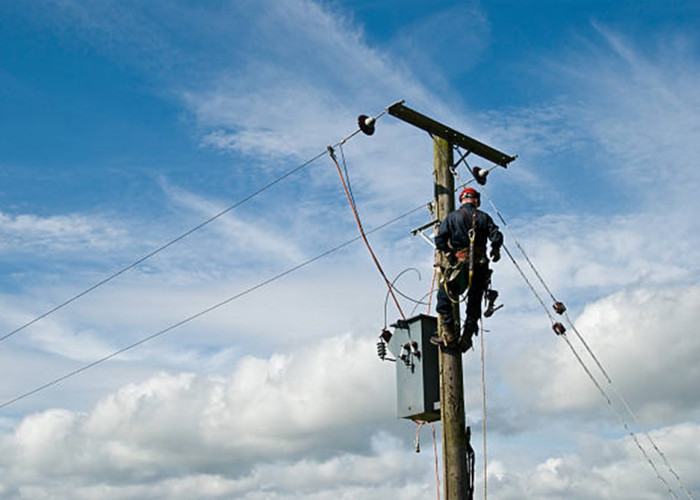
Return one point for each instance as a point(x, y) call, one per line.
point(446, 346)
point(448, 333)
point(465, 343)
point(437, 340)
point(469, 330)
point(491, 296)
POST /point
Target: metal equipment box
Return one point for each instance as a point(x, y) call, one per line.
point(417, 369)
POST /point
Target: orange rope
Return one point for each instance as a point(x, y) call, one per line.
point(432, 283)
point(437, 470)
point(432, 288)
point(420, 424)
point(362, 231)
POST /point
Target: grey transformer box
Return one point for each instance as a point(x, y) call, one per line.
point(417, 369)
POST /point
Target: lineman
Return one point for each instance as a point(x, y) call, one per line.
point(462, 237)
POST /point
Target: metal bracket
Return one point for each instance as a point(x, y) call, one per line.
point(421, 230)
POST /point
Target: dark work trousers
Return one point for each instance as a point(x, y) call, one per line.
point(475, 294)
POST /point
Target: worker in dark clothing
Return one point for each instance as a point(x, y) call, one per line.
point(463, 237)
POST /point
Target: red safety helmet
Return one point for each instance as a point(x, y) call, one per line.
point(469, 193)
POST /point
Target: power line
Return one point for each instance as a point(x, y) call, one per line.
point(176, 239)
point(560, 330)
point(353, 207)
point(161, 248)
point(561, 333)
point(203, 312)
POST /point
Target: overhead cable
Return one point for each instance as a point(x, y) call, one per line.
point(561, 333)
point(544, 284)
point(203, 312)
point(483, 409)
point(590, 375)
point(161, 248)
point(353, 207)
point(177, 239)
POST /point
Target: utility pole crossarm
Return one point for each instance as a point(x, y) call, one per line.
point(438, 129)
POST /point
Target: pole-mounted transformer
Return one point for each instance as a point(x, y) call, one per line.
point(417, 372)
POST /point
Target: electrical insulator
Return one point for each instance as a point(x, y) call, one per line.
point(366, 124)
point(480, 175)
point(381, 350)
point(405, 355)
point(558, 328)
point(559, 307)
point(385, 335)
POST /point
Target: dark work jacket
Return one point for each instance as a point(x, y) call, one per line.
point(454, 230)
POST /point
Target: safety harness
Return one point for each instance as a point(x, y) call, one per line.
point(463, 256)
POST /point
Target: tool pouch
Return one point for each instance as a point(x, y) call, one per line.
point(456, 277)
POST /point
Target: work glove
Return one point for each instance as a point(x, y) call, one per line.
point(495, 254)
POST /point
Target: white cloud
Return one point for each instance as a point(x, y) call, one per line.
point(58, 233)
point(312, 403)
point(606, 469)
point(306, 422)
point(641, 336)
point(255, 107)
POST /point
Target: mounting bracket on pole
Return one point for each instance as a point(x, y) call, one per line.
point(421, 230)
point(449, 134)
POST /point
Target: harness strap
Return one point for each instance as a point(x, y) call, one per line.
point(472, 236)
point(472, 232)
point(464, 256)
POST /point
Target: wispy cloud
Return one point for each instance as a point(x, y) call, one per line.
point(318, 399)
point(249, 237)
point(58, 233)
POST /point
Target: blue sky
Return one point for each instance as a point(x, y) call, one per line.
point(125, 124)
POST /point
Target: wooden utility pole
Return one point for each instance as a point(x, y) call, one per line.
point(452, 414)
point(455, 442)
